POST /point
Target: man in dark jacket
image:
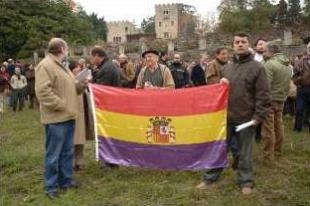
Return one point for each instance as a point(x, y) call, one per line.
point(302, 80)
point(105, 73)
point(198, 71)
point(30, 75)
point(249, 101)
point(179, 73)
point(164, 58)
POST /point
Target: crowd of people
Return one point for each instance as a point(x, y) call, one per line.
point(264, 85)
point(16, 85)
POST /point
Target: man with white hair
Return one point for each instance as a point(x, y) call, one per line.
point(18, 84)
point(57, 92)
point(154, 75)
point(279, 74)
point(82, 63)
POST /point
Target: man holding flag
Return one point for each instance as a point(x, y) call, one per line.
point(249, 102)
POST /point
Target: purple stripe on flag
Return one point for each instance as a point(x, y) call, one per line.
point(170, 157)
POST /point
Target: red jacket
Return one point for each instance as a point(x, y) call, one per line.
point(4, 81)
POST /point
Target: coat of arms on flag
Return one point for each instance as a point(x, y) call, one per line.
point(160, 131)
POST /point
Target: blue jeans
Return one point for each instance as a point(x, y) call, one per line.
point(302, 104)
point(58, 155)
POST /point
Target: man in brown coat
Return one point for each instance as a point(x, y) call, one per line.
point(127, 71)
point(213, 71)
point(57, 92)
point(249, 101)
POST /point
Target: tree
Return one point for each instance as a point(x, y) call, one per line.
point(29, 26)
point(261, 15)
point(148, 25)
point(232, 5)
point(307, 7)
point(306, 13)
point(242, 4)
point(294, 12)
point(253, 16)
point(99, 26)
point(281, 16)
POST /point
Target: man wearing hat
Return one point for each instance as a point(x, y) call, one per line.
point(154, 75)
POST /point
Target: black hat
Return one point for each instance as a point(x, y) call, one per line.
point(150, 51)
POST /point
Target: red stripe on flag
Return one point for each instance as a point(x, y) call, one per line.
point(181, 102)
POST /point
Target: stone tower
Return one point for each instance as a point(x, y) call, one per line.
point(173, 20)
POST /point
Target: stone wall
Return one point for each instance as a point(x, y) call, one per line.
point(190, 47)
point(118, 30)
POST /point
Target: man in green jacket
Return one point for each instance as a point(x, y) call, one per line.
point(279, 74)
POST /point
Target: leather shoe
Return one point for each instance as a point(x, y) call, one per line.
point(52, 195)
point(72, 185)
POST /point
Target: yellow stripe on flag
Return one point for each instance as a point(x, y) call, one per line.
point(193, 129)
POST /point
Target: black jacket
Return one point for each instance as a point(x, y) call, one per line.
point(198, 76)
point(179, 74)
point(107, 74)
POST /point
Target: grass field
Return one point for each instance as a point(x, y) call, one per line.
point(286, 183)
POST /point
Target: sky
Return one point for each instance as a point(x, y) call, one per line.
point(136, 10)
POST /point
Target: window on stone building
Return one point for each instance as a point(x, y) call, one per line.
point(172, 23)
point(126, 29)
point(166, 12)
point(166, 35)
point(159, 24)
point(117, 39)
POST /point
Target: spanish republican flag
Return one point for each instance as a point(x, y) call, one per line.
point(164, 129)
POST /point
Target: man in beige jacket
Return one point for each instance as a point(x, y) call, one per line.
point(57, 91)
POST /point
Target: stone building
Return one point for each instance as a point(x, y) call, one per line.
point(117, 31)
point(174, 20)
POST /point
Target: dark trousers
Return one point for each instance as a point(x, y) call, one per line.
point(32, 100)
point(302, 105)
point(17, 97)
point(241, 146)
point(290, 106)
